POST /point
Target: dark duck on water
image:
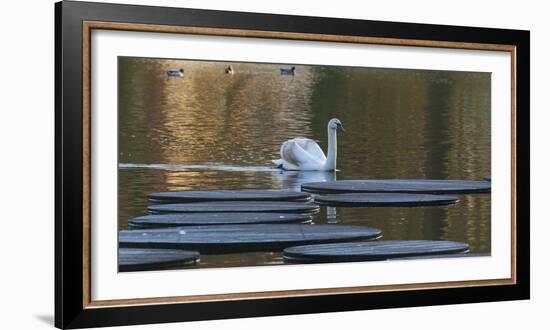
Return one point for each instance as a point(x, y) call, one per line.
point(175, 73)
point(288, 72)
point(229, 70)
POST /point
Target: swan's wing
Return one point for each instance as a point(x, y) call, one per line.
point(311, 147)
point(293, 153)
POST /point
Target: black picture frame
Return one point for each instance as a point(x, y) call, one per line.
point(70, 301)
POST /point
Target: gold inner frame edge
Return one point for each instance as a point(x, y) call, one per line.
point(88, 26)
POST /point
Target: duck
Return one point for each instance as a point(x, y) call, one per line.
point(175, 73)
point(229, 70)
point(303, 154)
point(288, 72)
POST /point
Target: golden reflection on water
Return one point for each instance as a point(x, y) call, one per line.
point(399, 124)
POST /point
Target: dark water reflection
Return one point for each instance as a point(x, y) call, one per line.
point(209, 130)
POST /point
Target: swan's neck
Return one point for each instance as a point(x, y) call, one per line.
point(331, 153)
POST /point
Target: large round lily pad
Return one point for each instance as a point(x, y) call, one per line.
point(370, 251)
point(228, 195)
point(206, 219)
point(397, 186)
point(217, 207)
point(244, 238)
point(153, 259)
point(384, 199)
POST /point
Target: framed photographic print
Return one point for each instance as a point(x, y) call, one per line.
point(215, 164)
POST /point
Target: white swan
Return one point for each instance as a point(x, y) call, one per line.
point(301, 154)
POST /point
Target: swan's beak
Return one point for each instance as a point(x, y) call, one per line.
point(340, 128)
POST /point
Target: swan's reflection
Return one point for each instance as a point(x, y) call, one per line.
point(332, 215)
point(293, 180)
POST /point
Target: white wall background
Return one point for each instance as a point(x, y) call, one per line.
point(27, 169)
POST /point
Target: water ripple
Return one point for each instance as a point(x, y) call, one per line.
point(210, 167)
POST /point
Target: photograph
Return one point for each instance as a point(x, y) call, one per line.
point(241, 164)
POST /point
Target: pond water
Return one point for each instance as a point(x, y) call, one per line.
point(209, 130)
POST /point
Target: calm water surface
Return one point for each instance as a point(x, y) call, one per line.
point(209, 130)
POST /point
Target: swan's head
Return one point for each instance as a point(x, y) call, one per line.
point(335, 124)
